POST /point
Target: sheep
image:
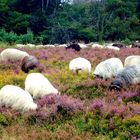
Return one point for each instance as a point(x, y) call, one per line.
point(12, 54)
point(74, 46)
point(28, 63)
point(82, 45)
point(20, 45)
point(38, 85)
point(96, 45)
point(136, 44)
point(119, 45)
point(62, 45)
point(112, 47)
point(108, 68)
point(49, 46)
point(80, 64)
point(129, 75)
point(132, 60)
point(30, 45)
point(16, 98)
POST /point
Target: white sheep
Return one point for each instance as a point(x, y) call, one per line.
point(80, 64)
point(30, 45)
point(108, 68)
point(16, 98)
point(112, 47)
point(38, 85)
point(20, 45)
point(49, 46)
point(127, 76)
point(13, 54)
point(132, 60)
point(82, 45)
point(96, 45)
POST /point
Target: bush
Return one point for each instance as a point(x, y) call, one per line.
point(11, 37)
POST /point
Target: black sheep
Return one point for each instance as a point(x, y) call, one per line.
point(119, 45)
point(74, 46)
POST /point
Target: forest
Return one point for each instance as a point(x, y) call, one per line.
point(56, 21)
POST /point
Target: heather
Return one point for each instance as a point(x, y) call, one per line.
point(86, 109)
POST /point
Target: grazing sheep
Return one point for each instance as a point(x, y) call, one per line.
point(136, 45)
point(112, 47)
point(20, 45)
point(49, 46)
point(119, 45)
point(96, 45)
point(132, 60)
point(82, 45)
point(38, 85)
point(28, 63)
point(62, 45)
point(16, 98)
point(80, 64)
point(108, 68)
point(74, 46)
point(30, 45)
point(13, 54)
point(129, 75)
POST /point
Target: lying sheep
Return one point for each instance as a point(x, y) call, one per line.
point(132, 60)
point(11, 54)
point(74, 46)
point(80, 64)
point(38, 85)
point(108, 68)
point(16, 98)
point(129, 75)
point(28, 63)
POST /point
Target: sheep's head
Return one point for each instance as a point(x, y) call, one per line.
point(116, 84)
point(29, 63)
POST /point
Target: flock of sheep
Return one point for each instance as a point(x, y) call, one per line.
point(37, 85)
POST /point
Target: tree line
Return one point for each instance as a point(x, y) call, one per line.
point(57, 21)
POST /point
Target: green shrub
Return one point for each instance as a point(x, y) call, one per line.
point(3, 120)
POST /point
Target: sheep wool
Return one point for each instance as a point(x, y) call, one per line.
point(16, 98)
point(28, 63)
point(112, 47)
point(74, 46)
point(38, 85)
point(80, 64)
point(132, 60)
point(13, 54)
point(127, 76)
point(108, 68)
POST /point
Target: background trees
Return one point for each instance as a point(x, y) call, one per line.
point(60, 21)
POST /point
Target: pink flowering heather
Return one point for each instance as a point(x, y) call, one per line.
point(43, 54)
point(64, 101)
point(52, 105)
point(97, 104)
point(129, 95)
